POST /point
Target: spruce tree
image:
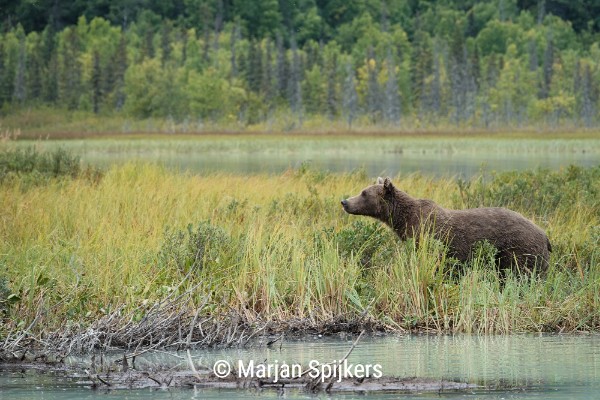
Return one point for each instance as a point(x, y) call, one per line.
point(332, 87)
point(73, 69)
point(421, 66)
point(588, 103)
point(96, 82)
point(165, 42)
point(35, 66)
point(235, 37)
point(435, 91)
point(121, 65)
point(254, 72)
point(267, 75)
point(282, 68)
point(547, 69)
point(350, 97)
point(295, 91)
point(392, 104)
point(374, 95)
point(4, 96)
point(49, 85)
point(19, 93)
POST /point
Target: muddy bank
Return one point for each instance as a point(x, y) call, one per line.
point(172, 335)
point(171, 324)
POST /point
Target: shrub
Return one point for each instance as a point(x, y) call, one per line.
point(540, 192)
point(30, 161)
point(6, 296)
point(195, 249)
point(32, 167)
point(371, 242)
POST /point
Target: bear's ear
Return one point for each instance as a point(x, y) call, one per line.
point(388, 186)
point(380, 181)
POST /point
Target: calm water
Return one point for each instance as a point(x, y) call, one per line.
point(543, 367)
point(376, 155)
point(374, 163)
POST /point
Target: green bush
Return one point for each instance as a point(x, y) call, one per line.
point(195, 249)
point(30, 161)
point(372, 242)
point(31, 167)
point(538, 192)
point(6, 296)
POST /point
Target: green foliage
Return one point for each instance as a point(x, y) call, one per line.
point(484, 256)
point(180, 93)
point(27, 166)
point(371, 243)
point(260, 17)
point(194, 250)
point(6, 297)
point(29, 161)
point(476, 64)
point(496, 36)
point(538, 192)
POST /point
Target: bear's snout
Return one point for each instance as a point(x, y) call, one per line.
point(345, 205)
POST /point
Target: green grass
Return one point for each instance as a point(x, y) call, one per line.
point(279, 247)
point(59, 123)
point(507, 143)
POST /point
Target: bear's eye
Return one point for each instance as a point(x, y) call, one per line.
point(363, 193)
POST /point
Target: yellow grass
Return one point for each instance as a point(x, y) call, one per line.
point(81, 248)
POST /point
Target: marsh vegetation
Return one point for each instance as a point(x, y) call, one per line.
point(277, 252)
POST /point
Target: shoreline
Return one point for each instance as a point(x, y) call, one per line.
point(450, 133)
point(51, 349)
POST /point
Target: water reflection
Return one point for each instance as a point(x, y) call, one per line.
point(547, 366)
point(515, 359)
point(374, 164)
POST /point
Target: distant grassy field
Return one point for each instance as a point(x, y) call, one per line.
point(76, 245)
point(52, 123)
point(508, 143)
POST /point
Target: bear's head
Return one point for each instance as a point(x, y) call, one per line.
point(374, 201)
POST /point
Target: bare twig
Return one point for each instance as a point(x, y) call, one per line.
point(192, 366)
point(352, 348)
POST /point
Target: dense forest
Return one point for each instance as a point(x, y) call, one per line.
point(411, 63)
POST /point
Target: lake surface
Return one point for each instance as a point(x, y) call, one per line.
point(373, 164)
point(376, 155)
point(538, 366)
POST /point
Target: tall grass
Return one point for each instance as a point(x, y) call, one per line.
point(280, 248)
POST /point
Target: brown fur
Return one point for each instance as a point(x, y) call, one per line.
point(519, 241)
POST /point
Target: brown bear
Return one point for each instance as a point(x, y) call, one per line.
point(521, 244)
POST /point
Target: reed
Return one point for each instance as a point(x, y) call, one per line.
point(279, 249)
